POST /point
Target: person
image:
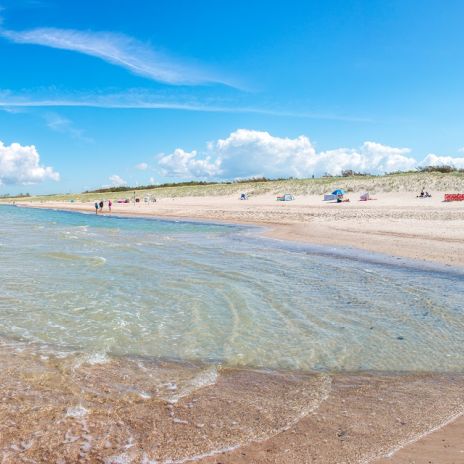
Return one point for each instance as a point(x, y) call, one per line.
point(110, 204)
point(96, 208)
point(101, 205)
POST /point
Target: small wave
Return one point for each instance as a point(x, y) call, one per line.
point(203, 379)
point(92, 359)
point(92, 260)
point(409, 441)
point(99, 260)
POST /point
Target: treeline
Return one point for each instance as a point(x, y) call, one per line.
point(19, 195)
point(185, 184)
point(444, 169)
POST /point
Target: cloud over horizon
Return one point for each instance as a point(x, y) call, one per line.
point(250, 153)
point(120, 50)
point(117, 181)
point(20, 165)
point(437, 160)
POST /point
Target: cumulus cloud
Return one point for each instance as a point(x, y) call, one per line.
point(117, 49)
point(250, 153)
point(436, 160)
point(141, 166)
point(185, 164)
point(117, 181)
point(21, 165)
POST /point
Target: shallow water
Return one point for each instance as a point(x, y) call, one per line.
point(144, 341)
point(210, 293)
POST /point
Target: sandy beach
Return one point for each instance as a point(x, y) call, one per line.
point(396, 224)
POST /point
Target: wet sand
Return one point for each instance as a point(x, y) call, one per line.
point(352, 418)
point(71, 408)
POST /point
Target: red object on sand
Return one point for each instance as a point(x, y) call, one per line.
point(454, 196)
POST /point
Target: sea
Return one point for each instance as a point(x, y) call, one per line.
point(101, 312)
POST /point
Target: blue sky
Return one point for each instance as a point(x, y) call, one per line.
point(116, 91)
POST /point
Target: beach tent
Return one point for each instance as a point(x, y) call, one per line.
point(338, 192)
point(286, 197)
point(364, 196)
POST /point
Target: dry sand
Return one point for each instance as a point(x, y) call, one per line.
point(397, 224)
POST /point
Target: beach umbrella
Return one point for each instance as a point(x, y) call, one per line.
point(338, 192)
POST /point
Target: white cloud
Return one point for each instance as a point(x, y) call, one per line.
point(249, 153)
point(177, 99)
point(371, 157)
point(21, 165)
point(461, 150)
point(152, 181)
point(118, 49)
point(117, 181)
point(61, 124)
point(183, 164)
point(435, 160)
point(141, 166)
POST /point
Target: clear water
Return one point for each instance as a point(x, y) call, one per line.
point(211, 293)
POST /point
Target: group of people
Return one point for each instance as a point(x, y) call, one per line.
point(99, 206)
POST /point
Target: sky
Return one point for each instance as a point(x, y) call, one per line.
point(137, 92)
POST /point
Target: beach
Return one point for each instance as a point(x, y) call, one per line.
point(350, 417)
point(396, 223)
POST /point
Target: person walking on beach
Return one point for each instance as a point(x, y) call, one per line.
point(101, 205)
point(96, 208)
point(110, 204)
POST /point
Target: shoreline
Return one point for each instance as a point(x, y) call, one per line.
point(271, 232)
point(429, 446)
point(427, 232)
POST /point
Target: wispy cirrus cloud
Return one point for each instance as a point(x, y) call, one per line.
point(59, 123)
point(140, 99)
point(121, 50)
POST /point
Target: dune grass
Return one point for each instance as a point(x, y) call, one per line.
point(400, 182)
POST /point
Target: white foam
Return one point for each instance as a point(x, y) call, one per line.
point(197, 457)
point(99, 260)
point(77, 412)
point(203, 379)
point(119, 459)
point(97, 358)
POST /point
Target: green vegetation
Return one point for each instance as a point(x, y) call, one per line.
point(432, 180)
point(19, 195)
